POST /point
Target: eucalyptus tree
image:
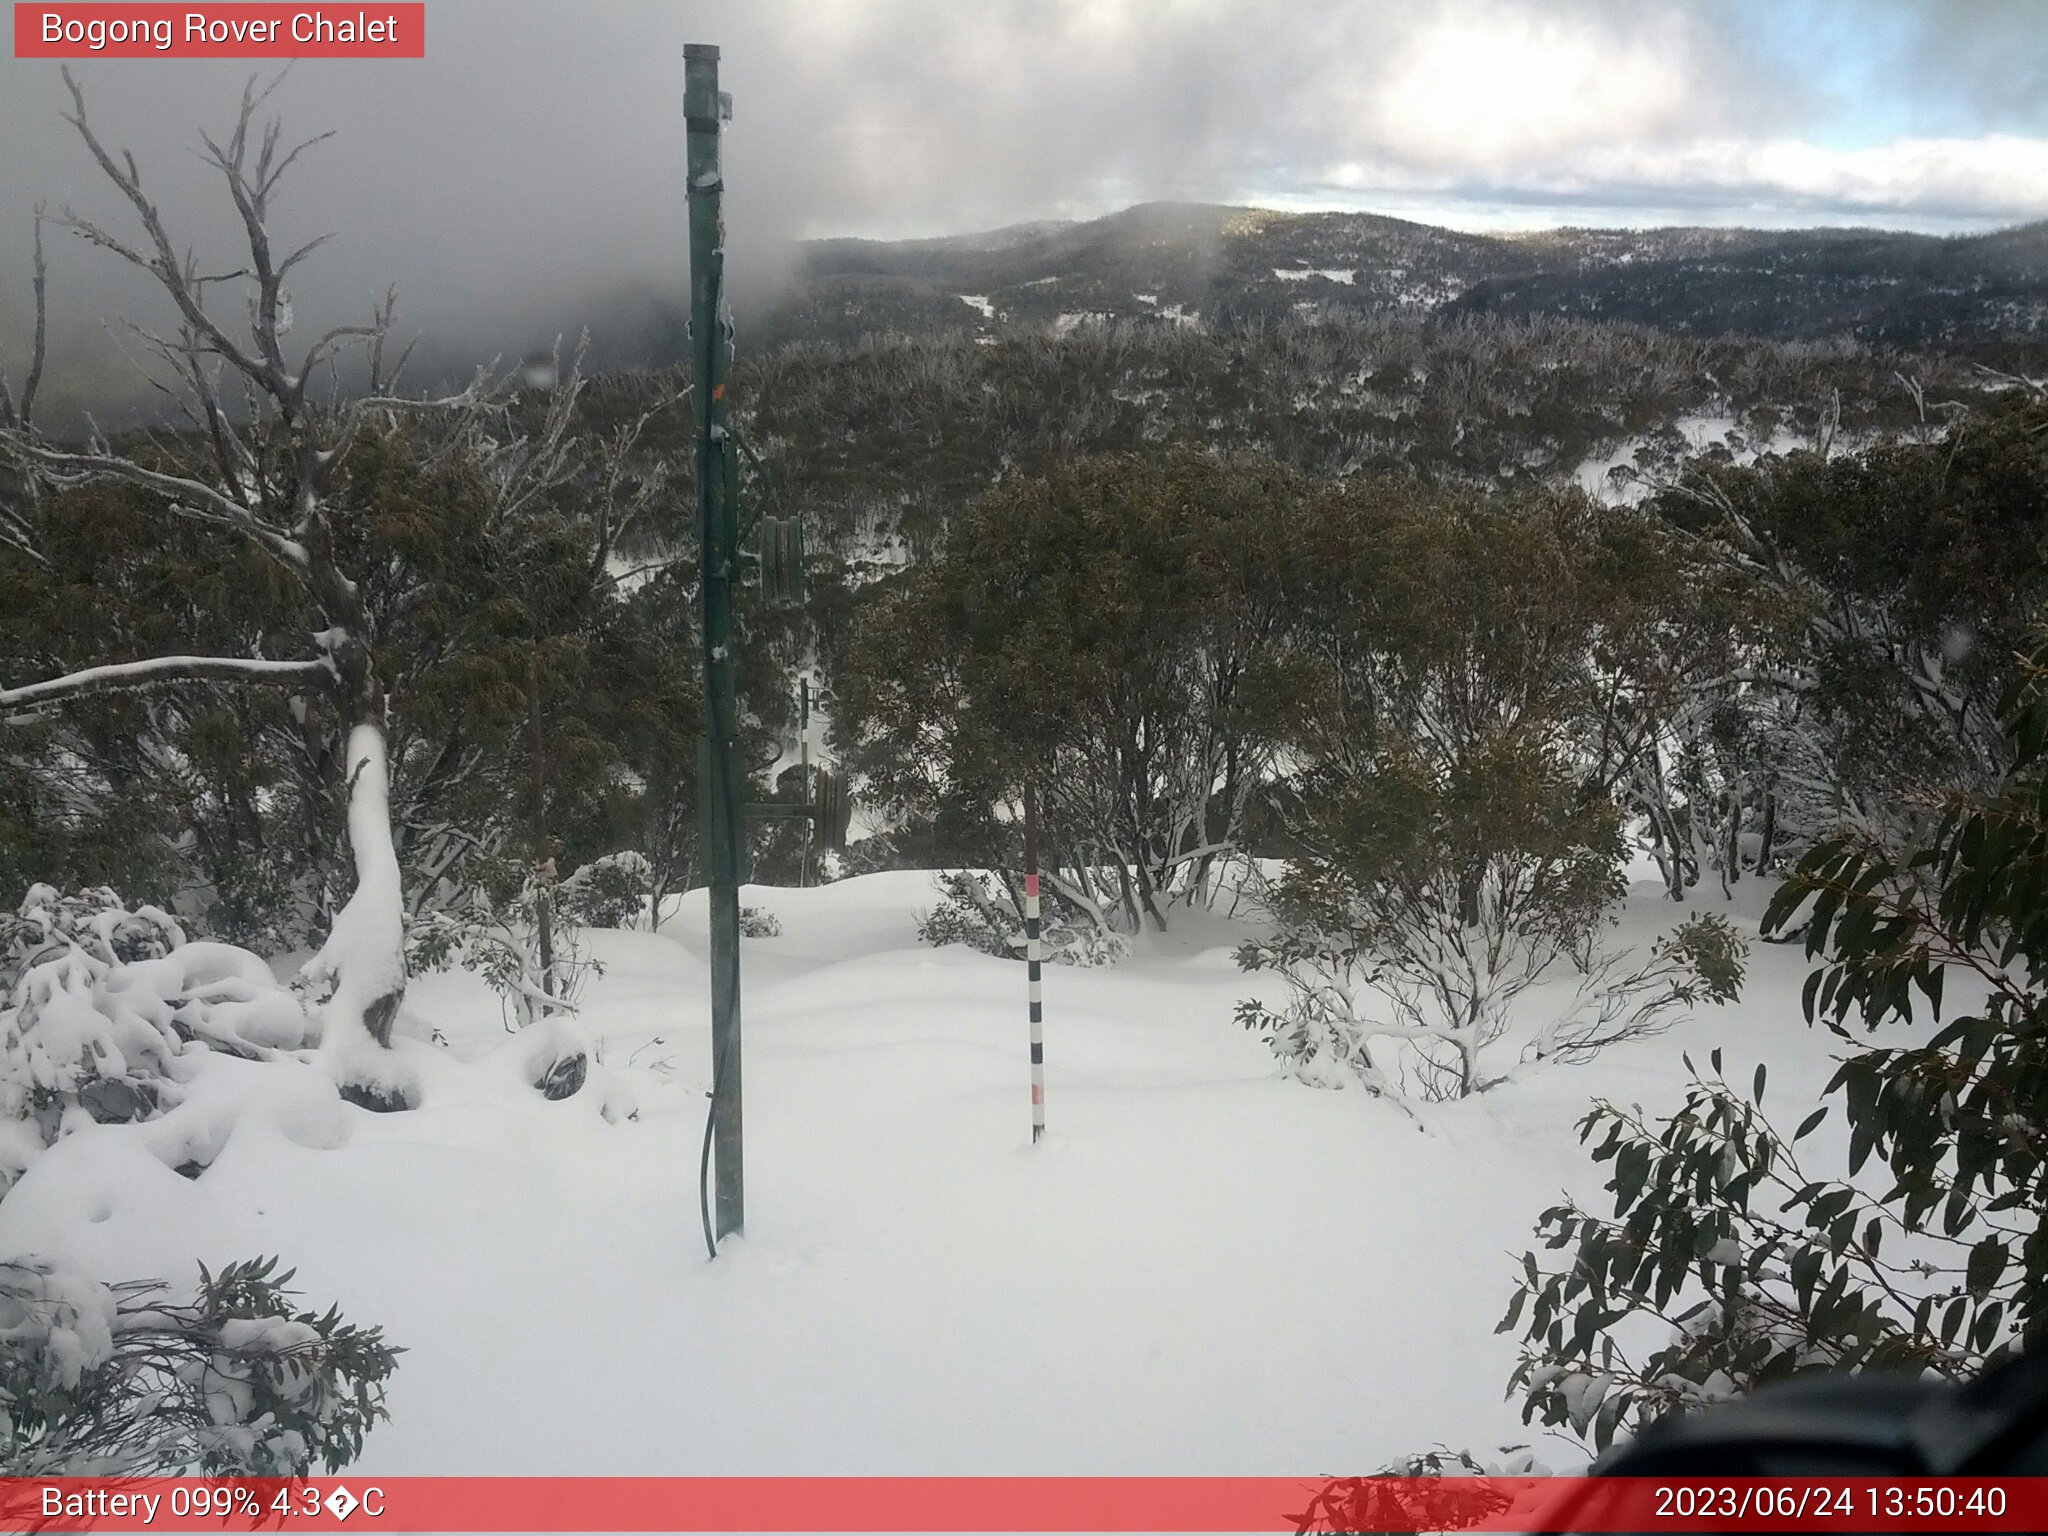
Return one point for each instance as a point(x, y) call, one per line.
point(260, 458)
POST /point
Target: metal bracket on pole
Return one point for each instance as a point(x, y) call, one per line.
point(827, 809)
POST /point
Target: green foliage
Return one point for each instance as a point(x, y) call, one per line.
point(1930, 1253)
point(126, 1381)
point(1440, 1490)
point(1907, 577)
point(87, 795)
point(610, 892)
point(1111, 633)
point(1485, 675)
point(984, 912)
point(497, 629)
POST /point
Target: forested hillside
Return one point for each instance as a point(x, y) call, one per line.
point(1190, 264)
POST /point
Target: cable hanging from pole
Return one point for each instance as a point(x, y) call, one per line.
point(1034, 956)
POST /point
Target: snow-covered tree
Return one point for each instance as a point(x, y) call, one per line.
point(1733, 1256)
point(1485, 679)
point(266, 435)
point(1903, 583)
point(1112, 634)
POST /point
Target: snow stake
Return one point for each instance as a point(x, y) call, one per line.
point(1034, 955)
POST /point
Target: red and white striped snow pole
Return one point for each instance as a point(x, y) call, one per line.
point(1034, 955)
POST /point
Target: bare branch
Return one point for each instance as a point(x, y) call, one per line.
point(40, 286)
point(324, 350)
point(267, 182)
point(186, 497)
point(165, 267)
point(381, 319)
point(161, 671)
point(2014, 380)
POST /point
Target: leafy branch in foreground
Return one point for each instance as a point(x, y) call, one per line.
point(1930, 1252)
point(100, 1380)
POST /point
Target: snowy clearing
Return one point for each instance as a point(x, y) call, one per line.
point(1205, 1268)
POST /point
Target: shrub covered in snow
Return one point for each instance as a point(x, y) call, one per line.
point(519, 933)
point(96, 922)
point(1424, 1005)
point(522, 930)
point(109, 1016)
point(122, 1380)
point(101, 1008)
point(759, 923)
point(610, 892)
point(975, 913)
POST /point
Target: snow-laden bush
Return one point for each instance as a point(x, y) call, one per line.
point(517, 931)
point(110, 1016)
point(1405, 1000)
point(96, 922)
point(123, 1380)
point(759, 923)
point(974, 912)
point(521, 930)
point(610, 892)
point(102, 1011)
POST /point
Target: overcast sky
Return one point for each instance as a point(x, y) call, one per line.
point(534, 157)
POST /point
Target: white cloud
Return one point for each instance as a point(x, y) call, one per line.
point(1998, 178)
point(1492, 87)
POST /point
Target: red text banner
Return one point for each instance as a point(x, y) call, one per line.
point(115, 31)
point(1111, 1504)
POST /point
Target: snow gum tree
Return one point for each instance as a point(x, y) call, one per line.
point(1905, 578)
point(1484, 674)
point(1111, 632)
point(265, 435)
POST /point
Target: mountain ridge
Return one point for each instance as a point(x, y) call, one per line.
point(1205, 263)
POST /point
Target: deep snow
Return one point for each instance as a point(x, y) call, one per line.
point(1203, 1269)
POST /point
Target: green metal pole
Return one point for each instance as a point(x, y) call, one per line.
point(718, 531)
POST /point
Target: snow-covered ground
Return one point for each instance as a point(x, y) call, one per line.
point(1698, 433)
point(1203, 1269)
